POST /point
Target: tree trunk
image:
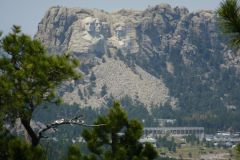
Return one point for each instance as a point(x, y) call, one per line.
point(114, 143)
point(31, 133)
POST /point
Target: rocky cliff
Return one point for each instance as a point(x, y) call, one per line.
point(161, 56)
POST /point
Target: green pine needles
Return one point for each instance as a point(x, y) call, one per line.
point(29, 77)
point(229, 20)
point(117, 140)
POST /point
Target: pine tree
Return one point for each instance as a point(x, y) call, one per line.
point(104, 90)
point(74, 153)
point(14, 148)
point(238, 148)
point(28, 78)
point(92, 77)
point(118, 139)
point(229, 20)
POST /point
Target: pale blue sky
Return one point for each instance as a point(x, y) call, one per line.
point(28, 13)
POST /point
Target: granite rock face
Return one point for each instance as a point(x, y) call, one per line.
point(154, 56)
point(120, 81)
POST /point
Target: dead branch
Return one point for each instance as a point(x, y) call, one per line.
point(74, 121)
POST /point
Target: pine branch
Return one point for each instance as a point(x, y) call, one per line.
point(229, 20)
point(78, 120)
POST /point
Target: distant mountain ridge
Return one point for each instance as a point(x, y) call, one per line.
point(161, 56)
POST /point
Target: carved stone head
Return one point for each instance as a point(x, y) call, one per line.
point(106, 29)
point(98, 25)
point(120, 31)
point(89, 24)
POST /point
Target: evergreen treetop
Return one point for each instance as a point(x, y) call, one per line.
point(29, 77)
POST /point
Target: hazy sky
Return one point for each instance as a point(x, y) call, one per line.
point(28, 13)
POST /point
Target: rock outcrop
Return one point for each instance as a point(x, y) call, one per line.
point(120, 81)
point(158, 56)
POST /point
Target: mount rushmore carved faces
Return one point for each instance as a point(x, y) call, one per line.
point(90, 40)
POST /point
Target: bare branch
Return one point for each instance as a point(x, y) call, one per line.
point(74, 121)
